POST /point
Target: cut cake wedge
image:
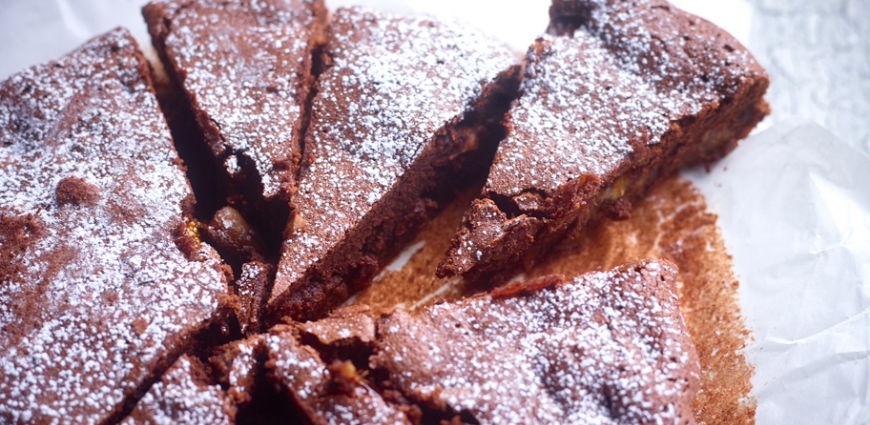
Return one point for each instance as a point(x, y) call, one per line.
point(402, 105)
point(617, 97)
point(245, 69)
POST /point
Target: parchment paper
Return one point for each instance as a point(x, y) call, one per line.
point(793, 202)
point(794, 208)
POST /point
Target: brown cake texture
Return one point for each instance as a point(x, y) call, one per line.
point(337, 143)
point(245, 69)
point(236, 366)
point(102, 283)
point(402, 105)
point(326, 394)
point(183, 396)
point(252, 288)
point(605, 347)
point(618, 96)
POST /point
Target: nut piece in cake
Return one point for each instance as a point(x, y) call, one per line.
point(101, 285)
point(606, 347)
point(619, 95)
point(402, 105)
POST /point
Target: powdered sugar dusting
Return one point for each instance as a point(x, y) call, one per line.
point(622, 79)
point(606, 348)
point(241, 373)
point(244, 64)
point(102, 293)
point(178, 400)
point(301, 371)
point(394, 81)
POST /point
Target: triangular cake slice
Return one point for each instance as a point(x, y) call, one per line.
point(184, 396)
point(402, 104)
point(102, 283)
point(244, 68)
point(604, 348)
point(618, 96)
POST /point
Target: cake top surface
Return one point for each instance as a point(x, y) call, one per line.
point(347, 325)
point(604, 348)
point(245, 66)
point(182, 397)
point(93, 288)
point(620, 80)
point(300, 369)
point(392, 84)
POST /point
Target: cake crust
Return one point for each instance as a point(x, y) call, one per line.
point(103, 285)
point(402, 104)
point(618, 96)
point(606, 347)
point(245, 69)
point(183, 396)
point(326, 394)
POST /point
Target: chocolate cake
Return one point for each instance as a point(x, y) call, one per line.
point(402, 104)
point(251, 287)
point(245, 70)
point(183, 396)
point(606, 347)
point(242, 368)
point(616, 97)
point(115, 308)
point(103, 284)
point(326, 394)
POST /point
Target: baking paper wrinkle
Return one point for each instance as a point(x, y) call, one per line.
point(794, 208)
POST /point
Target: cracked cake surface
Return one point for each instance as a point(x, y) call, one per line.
point(615, 97)
point(326, 394)
point(602, 348)
point(183, 396)
point(385, 125)
point(106, 288)
point(101, 286)
point(246, 70)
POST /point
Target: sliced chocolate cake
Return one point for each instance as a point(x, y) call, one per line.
point(327, 394)
point(102, 281)
point(603, 348)
point(618, 96)
point(245, 70)
point(183, 396)
point(238, 367)
point(402, 105)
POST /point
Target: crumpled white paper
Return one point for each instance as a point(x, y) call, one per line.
point(793, 204)
point(794, 208)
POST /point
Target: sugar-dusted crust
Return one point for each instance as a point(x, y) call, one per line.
point(183, 396)
point(620, 95)
point(245, 69)
point(237, 365)
point(402, 104)
point(101, 284)
point(326, 395)
point(606, 347)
